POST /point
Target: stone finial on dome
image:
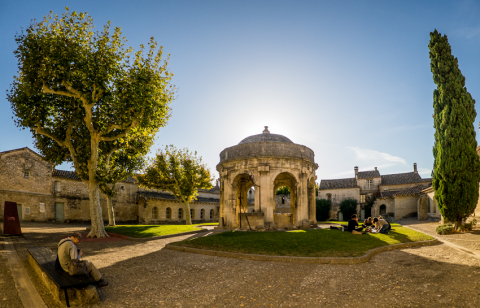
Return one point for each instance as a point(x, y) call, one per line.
point(266, 131)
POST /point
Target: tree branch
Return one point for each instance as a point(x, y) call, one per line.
point(58, 92)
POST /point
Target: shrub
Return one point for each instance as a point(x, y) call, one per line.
point(348, 207)
point(444, 229)
point(468, 226)
point(323, 209)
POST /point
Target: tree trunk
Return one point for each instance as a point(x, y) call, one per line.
point(458, 223)
point(98, 228)
point(187, 216)
point(111, 214)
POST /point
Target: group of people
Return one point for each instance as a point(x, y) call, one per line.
point(375, 225)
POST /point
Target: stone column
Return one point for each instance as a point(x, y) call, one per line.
point(302, 201)
point(312, 215)
point(267, 201)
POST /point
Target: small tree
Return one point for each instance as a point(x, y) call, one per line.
point(283, 191)
point(180, 172)
point(348, 207)
point(81, 96)
point(369, 201)
point(124, 159)
point(323, 209)
point(456, 168)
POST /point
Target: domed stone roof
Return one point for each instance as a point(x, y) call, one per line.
point(265, 137)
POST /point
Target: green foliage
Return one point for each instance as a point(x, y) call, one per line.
point(456, 168)
point(348, 207)
point(444, 229)
point(469, 226)
point(369, 201)
point(85, 101)
point(323, 209)
point(283, 191)
point(178, 171)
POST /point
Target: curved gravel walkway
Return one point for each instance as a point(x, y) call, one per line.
point(143, 274)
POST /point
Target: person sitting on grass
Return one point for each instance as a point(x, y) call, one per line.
point(381, 225)
point(353, 225)
point(67, 250)
point(368, 223)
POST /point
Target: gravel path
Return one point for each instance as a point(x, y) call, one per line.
point(470, 240)
point(143, 274)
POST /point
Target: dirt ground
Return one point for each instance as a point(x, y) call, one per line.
point(143, 274)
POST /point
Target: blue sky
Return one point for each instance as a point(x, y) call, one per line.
point(349, 79)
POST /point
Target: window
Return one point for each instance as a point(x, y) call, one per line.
point(122, 187)
point(362, 198)
point(180, 213)
point(192, 213)
point(329, 197)
point(202, 214)
point(383, 209)
point(155, 213)
point(211, 214)
point(26, 174)
point(27, 210)
point(385, 188)
point(369, 184)
point(57, 186)
point(168, 213)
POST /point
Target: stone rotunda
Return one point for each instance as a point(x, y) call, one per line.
point(263, 163)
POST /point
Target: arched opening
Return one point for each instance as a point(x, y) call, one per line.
point(242, 185)
point(284, 186)
point(211, 214)
point(202, 214)
point(423, 208)
point(180, 213)
point(329, 197)
point(155, 213)
point(383, 209)
point(168, 213)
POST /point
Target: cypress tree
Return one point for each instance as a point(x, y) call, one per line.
point(456, 168)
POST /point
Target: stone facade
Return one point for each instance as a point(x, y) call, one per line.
point(266, 162)
point(47, 194)
point(396, 194)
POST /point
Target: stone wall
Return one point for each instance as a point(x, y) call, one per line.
point(338, 195)
point(389, 205)
point(174, 206)
point(405, 206)
point(282, 207)
point(25, 178)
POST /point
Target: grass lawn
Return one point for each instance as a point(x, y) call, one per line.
point(303, 243)
point(153, 230)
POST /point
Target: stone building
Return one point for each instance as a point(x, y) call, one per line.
point(397, 195)
point(44, 193)
point(266, 162)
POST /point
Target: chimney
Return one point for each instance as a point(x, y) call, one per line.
point(375, 168)
point(266, 131)
point(415, 168)
point(356, 171)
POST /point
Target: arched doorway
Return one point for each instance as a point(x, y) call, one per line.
point(423, 207)
point(242, 186)
point(286, 217)
point(383, 209)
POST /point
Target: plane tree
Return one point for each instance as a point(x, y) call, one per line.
point(180, 172)
point(83, 94)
